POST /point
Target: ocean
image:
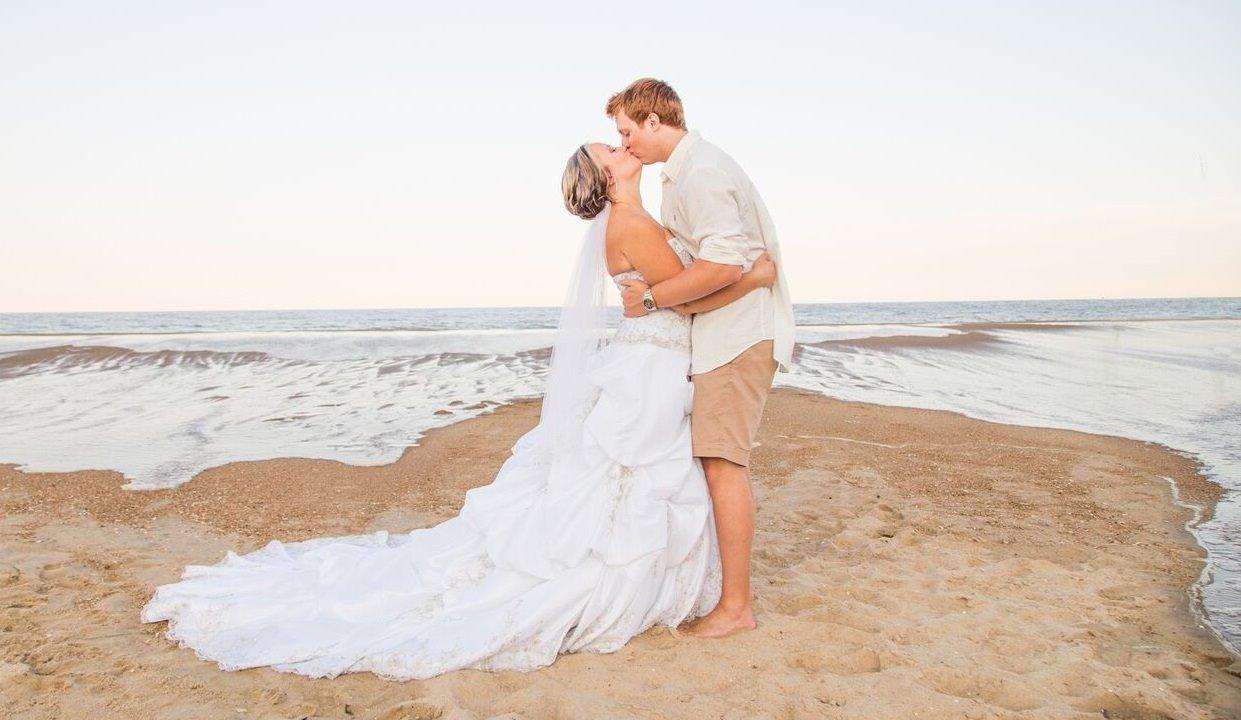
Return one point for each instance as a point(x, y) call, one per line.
point(163, 396)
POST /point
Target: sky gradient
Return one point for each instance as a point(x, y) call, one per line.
point(230, 155)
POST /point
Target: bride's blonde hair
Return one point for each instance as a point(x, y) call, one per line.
point(584, 185)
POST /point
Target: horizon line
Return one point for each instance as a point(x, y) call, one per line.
point(553, 307)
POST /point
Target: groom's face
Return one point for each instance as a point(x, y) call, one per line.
point(635, 138)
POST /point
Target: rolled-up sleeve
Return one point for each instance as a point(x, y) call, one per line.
point(710, 202)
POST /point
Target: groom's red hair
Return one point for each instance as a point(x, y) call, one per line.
point(646, 96)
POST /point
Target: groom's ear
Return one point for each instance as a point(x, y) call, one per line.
point(652, 121)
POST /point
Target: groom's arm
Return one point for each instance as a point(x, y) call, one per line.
point(714, 218)
point(700, 279)
point(761, 274)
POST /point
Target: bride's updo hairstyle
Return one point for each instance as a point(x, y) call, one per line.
point(584, 184)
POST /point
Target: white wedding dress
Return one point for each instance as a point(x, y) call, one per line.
point(536, 564)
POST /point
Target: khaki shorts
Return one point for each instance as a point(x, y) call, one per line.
point(728, 404)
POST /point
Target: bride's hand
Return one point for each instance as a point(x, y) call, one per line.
point(763, 272)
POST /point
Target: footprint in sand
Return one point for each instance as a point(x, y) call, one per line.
point(1185, 679)
point(846, 662)
point(861, 619)
point(1017, 653)
point(1075, 679)
point(796, 604)
point(19, 681)
point(948, 604)
point(11, 671)
point(891, 520)
point(1127, 595)
point(862, 660)
point(1109, 705)
point(1007, 693)
point(412, 710)
point(833, 632)
point(890, 512)
point(848, 541)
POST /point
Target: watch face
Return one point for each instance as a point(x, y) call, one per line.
point(648, 304)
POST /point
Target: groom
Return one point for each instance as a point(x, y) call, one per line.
point(711, 205)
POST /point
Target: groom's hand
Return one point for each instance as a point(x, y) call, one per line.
point(764, 271)
point(631, 296)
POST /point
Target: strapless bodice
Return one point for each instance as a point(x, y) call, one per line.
point(662, 327)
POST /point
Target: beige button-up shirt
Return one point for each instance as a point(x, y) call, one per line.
point(710, 204)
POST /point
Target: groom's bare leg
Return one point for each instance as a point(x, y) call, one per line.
point(733, 504)
point(728, 406)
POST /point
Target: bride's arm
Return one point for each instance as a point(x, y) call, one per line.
point(761, 274)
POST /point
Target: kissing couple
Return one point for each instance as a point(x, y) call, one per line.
point(627, 506)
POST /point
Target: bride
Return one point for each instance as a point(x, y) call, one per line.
point(596, 528)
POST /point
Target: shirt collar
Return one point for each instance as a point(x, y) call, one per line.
point(672, 166)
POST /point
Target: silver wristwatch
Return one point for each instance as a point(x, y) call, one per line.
point(648, 300)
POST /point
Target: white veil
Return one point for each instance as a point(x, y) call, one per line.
point(582, 332)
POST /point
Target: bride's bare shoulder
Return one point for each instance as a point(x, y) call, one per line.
point(628, 224)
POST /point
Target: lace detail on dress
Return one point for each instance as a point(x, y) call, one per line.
point(663, 327)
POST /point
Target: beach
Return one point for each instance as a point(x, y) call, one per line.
point(907, 563)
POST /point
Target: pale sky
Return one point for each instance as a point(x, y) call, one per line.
point(249, 155)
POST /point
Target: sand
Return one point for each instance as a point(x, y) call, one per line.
point(908, 564)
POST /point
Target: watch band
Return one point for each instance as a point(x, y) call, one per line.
point(648, 299)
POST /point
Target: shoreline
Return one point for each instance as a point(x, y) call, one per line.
point(905, 559)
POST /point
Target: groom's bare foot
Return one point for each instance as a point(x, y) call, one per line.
point(721, 622)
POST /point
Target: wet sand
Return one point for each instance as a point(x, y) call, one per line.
point(908, 563)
